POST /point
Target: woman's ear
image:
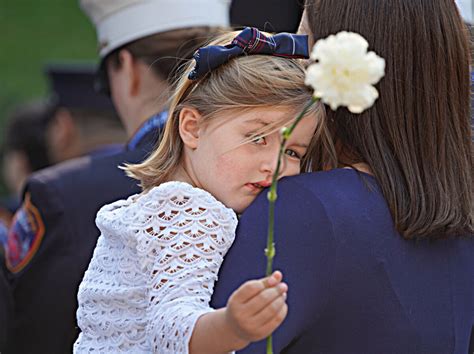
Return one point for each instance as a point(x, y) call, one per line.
point(189, 121)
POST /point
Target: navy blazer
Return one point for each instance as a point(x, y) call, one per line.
point(62, 201)
point(355, 285)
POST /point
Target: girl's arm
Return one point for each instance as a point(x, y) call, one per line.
point(181, 237)
point(252, 313)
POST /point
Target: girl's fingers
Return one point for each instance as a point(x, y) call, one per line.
point(275, 321)
point(247, 291)
point(273, 279)
point(264, 299)
point(252, 288)
point(271, 311)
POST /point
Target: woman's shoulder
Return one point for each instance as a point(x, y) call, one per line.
point(334, 184)
point(343, 194)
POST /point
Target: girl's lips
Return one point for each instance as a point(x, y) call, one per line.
point(264, 184)
point(258, 187)
point(254, 188)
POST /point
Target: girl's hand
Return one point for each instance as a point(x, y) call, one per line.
point(257, 308)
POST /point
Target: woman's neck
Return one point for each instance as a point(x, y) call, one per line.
point(348, 159)
point(359, 166)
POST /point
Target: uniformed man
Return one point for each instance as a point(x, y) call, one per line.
point(23, 151)
point(83, 122)
point(51, 242)
point(73, 121)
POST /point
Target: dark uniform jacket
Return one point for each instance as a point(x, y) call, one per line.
point(56, 228)
point(6, 307)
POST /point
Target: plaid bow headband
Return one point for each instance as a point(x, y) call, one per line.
point(249, 41)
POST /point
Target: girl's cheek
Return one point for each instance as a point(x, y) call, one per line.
point(226, 165)
point(235, 168)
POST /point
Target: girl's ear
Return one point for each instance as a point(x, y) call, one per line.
point(189, 119)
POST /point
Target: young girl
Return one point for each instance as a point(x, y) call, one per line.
point(150, 280)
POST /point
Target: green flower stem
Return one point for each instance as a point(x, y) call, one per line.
point(272, 197)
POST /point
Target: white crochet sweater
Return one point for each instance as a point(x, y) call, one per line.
point(153, 270)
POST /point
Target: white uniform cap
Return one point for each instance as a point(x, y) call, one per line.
point(119, 22)
point(466, 8)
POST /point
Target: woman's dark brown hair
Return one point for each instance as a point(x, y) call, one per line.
point(417, 137)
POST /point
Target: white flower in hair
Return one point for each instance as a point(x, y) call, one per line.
point(344, 72)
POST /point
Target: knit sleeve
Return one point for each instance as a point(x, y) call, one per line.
point(181, 250)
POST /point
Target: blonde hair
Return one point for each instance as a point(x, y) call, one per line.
point(243, 83)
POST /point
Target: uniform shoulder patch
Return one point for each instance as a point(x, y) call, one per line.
point(24, 237)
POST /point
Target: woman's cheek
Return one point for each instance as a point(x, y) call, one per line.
point(293, 167)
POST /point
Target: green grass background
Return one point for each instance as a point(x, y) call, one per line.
point(33, 33)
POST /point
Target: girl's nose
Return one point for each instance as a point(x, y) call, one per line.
point(267, 168)
point(269, 163)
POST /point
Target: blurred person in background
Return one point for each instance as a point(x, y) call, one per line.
point(267, 15)
point(83, 122)
point(51, 241)
point(24, 150)
point(6, 306)
point(470, 26)
point(72, 122)
point(471, 36)
point(466, 8)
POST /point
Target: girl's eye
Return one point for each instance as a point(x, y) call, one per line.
point(259, 140)
point(292, 153)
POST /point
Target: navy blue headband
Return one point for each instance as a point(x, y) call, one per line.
point(249, 41)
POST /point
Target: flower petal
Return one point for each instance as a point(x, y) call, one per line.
point(344, 72)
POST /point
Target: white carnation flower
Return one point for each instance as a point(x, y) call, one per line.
point(344, 73)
